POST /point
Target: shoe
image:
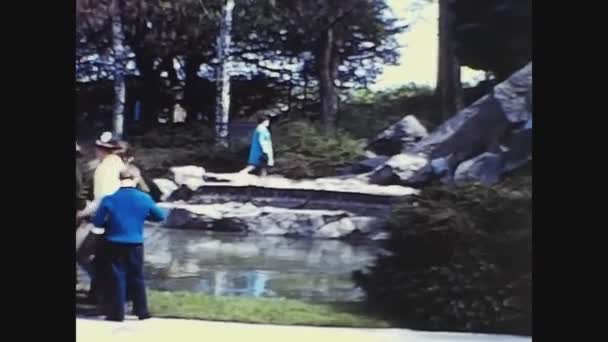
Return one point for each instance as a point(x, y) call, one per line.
point(144, 317)
point(114, 319)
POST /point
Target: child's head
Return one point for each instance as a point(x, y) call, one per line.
point(264, 119)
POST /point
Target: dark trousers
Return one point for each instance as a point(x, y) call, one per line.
point(97, 269)
point(125, 263)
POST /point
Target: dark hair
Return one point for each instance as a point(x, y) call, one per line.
point(262, 118)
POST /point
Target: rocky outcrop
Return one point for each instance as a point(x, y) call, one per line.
point(249, 218)
point(479, 126)
point(499, 123)
point(399, 137)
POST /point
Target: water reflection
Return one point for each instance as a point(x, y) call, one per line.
point(256, 266)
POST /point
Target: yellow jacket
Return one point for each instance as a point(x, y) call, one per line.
point(106, 180)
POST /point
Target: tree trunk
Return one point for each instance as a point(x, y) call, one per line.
point(150, 93)
point(327, 89)
point(222, 108)
point(449, 88)
point(119, 72)
point(193, 64)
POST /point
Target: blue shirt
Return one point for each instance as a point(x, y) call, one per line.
point(125, 212)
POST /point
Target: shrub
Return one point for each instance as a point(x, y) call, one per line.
point(461, 260)
point(303, 151)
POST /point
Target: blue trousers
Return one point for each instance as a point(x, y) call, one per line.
point(125, 263)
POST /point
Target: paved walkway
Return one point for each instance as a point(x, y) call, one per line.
point(174, 330)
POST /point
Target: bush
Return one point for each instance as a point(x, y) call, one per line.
point(190, 144)
point(461, 260)
point(303, 151)
point(367, 113)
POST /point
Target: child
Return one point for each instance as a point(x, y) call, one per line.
point(261, 155)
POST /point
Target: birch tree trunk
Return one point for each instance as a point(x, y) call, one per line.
point(222, 108)
point(118, 38)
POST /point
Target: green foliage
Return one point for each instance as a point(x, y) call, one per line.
point(303, 151)
point(367, 96)
point(461, 260)
point(163, 147)
point(175, 136)
point(368, 113)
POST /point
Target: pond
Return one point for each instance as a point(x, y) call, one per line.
point(226, 264)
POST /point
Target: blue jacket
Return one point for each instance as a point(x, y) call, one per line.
point(261, 144)
point(126, 210)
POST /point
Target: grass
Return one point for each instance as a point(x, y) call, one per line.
point(258, 310)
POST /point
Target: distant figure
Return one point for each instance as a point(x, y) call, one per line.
point(261, 155)
point(123, 214)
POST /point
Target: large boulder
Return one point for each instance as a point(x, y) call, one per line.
point(485, 168)
point(399, 137)
point(398, 169)
point(498, 123)
point(488, 167)
point(478, 127)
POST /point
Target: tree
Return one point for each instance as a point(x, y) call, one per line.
point(305, 51)
point(101, 22)
point(493, 35)
point(223, 74)
point(449, 88)
point(119, 69)
point(344, 42)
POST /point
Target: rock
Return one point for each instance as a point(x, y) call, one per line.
point(398, 169)
point(515, 95)
point(485, 168)
point(335, 229)
point(369, 154)
point(166, 187)
point(336, 184)
point(200, 210)
point(183, 219)
point(476, 128)
point(498, 123)
point(368, 164)
point(399, 137)
point(380, 236)
point(240, 217)
point(366, 225)
point(518, 149)
point(191, 176)
point(183, 193)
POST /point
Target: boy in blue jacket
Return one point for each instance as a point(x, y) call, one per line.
point(125, 212)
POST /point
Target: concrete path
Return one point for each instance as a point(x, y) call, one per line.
point(179, 330)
